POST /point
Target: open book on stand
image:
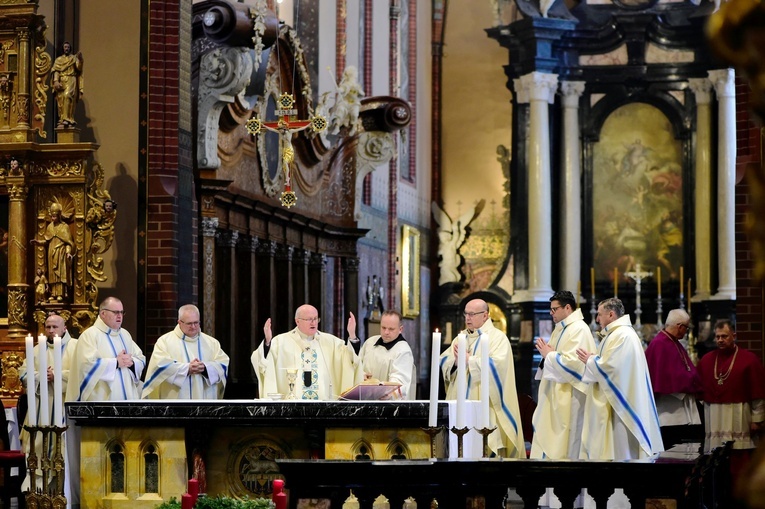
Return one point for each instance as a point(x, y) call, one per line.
point(372, 390)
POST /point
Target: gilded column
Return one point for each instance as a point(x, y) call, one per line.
point(570, 191)
point(538, 89)
point(724, 85)
point(702, 193)
point(18, 288)
point(209, 227)
point(22, 95)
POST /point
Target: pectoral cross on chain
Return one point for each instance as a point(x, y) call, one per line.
point(285, 127)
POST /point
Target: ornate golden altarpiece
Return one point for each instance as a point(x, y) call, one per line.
point(51, 200)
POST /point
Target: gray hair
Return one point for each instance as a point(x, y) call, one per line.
point(187, 307)
point(677, 317)
point(613, 304)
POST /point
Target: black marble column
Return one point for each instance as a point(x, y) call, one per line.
point(317, 281)
point(226, 288)
point(266, 289)
point(300, 260)
point(351, 296)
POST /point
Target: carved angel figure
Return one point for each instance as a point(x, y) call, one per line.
point(345, 111)
point(451, 236)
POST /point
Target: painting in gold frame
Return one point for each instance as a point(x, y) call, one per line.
point(410, 272)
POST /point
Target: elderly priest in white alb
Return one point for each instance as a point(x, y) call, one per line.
point(620, 417)
point(325, 364)
point(504, 413)
point(186, 363)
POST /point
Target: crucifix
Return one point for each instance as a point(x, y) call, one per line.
point(285, 127)
point(638, 276)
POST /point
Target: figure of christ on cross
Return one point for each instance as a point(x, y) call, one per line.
point(285, 127)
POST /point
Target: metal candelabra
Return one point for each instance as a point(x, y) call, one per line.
point(638, 276)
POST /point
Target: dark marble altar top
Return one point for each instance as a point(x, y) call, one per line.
point(248, 413)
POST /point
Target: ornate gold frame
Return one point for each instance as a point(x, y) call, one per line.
point(410, 272)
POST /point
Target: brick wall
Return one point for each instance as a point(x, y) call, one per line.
point(171, 210)
point(750, 294)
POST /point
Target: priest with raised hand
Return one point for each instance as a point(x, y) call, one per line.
point(504, 412)
point(186, 363)
point(325, 364)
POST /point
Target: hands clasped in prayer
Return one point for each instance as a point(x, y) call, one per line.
point(124, 360)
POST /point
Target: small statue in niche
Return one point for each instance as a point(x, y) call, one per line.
point(15, 169)
point(41, 287)
point(6, 96)
point(67, 85)
point(58, 237)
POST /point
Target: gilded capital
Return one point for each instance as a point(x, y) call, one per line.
point(17, 192)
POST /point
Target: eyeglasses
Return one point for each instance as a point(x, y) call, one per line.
point(315, 319)
point(687, 326)
point(554, 309)
point(471, 315)
point(115, 312)
point(190, 324)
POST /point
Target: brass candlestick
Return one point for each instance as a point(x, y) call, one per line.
point(485, 432)
point(432, 432)
point(33, 501)
point(460, 432)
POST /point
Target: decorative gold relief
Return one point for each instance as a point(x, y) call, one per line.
point(42, 70)
point(17, 305)
point(11, 384)
point(102, 212)
point(410, 271)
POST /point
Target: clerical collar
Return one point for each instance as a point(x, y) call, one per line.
point(669, 335)
point(388, 346)
point(305, 336)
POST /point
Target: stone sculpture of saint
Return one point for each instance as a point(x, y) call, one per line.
point(451, 235)
point(67, 84)
point(58, 237)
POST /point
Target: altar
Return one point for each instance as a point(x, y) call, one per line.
point(138, 453)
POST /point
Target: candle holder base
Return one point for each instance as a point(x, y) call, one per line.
point(433, 432)
point(460, 432)
point(485, 432)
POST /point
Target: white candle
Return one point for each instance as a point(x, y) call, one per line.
point(42, 369)
point(58, 402)
point(461, 380)
point(31, 406)
point(485, 368)
point(434, 357)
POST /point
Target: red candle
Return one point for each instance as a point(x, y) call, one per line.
point(193, 489)
point(187, 501)
point(279, 498)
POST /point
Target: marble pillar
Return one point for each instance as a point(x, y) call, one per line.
point(538, 89)
point(723, 81)
point(570, 188)
point(209, 228)
point(702, 193)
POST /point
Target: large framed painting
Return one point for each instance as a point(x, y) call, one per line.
point(410, 271)
point(637, 193)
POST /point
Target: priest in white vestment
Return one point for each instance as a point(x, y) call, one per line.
point(324, 364)
point(559, 415)
point(387, 357)
point(186, 363)
point(107, 363)
point(620, 417)
point(504, 413)
point(54, 326)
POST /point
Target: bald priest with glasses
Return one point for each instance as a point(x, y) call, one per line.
point(107, 364)
point(321, 365)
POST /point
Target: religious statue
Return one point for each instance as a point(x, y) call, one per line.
point(58, 237)
point(451, 236)
point(41, 287)
point(15, 169)
point(345, 110)
point(375, 296)
point(67, 85)
point(6, 96)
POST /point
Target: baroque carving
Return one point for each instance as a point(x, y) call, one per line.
point(223, 75)
point(17, 305)
point(43, 64)
point(102, 212)
point(11, 386)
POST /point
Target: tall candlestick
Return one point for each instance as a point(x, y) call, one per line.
point(42, 369)
point(592, 280)
point(31, 406)
point(485, 368)
point(461, 380)
point(616, 281)
point(682, 280)
point(658, 280)
point(435, 353)
point(58, 397)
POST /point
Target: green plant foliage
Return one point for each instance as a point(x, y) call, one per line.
point(221, 502)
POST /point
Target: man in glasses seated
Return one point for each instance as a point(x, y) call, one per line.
point(186, 363)
point(107, 363)
point(318, 365)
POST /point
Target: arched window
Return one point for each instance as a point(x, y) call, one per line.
point(116, 469)
point(151, 469)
